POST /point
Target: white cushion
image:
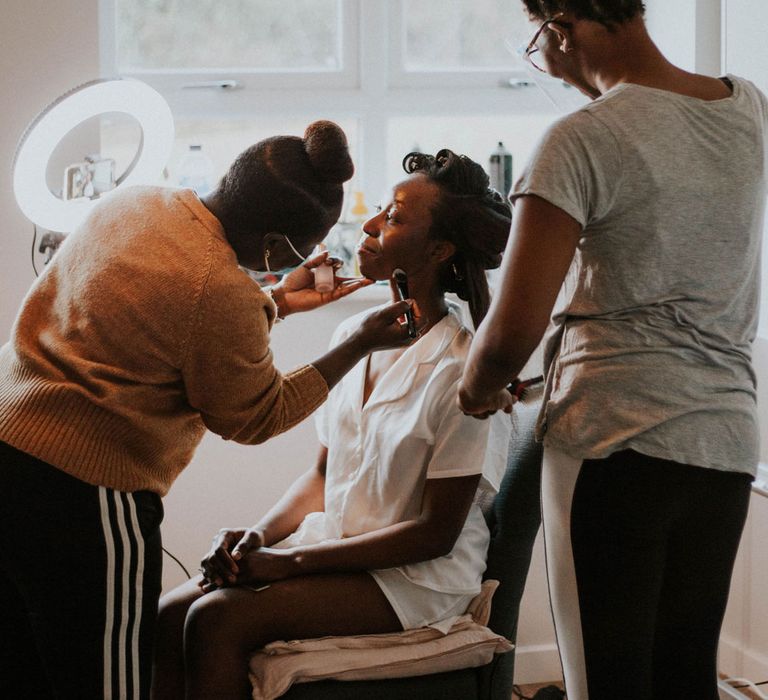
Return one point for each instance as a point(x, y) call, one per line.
point(467, 644)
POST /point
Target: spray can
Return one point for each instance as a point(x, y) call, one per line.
point(500, 169)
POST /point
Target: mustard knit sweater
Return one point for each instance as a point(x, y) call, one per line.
point(140, 334)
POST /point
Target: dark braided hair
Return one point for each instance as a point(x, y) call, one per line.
point(472, 216)
point(608, 12)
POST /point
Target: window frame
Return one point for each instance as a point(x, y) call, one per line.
point(174, 80)
point(400, 76)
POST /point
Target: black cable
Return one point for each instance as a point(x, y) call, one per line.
point(750, 685)
point(184, 568)
point(34, 241)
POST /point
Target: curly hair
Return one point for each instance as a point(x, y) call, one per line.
point(472, 216)
point(608, 12)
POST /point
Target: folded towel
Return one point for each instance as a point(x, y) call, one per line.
point(467, 644)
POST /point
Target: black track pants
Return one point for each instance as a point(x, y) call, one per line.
point(640, 553)
point(80, 577)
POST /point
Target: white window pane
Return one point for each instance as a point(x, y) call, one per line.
point(266, 35)
point(461, 34)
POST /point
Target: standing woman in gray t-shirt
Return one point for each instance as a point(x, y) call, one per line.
point(636, 237)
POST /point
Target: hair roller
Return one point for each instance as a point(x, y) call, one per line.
point(414, 162)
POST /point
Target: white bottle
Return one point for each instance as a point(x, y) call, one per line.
point(196, 171)
point(324, 275)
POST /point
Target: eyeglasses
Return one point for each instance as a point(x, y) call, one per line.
point(302, 258)
point(529, 51)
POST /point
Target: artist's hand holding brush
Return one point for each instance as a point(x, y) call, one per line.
point(482, 408)
point(516, 390)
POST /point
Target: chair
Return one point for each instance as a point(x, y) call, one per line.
point(514, 520)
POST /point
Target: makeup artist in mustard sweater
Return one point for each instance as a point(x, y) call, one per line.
point(141, 333)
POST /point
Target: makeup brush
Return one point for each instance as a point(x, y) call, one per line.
point(401, 284)
point(519, 387)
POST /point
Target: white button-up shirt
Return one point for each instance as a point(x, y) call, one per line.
point(410, 430)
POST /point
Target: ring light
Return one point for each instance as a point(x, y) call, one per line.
point(129, 96)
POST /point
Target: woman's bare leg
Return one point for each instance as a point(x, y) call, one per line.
point(168, 667)
point(224, 627)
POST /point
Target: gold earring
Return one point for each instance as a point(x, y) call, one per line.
point(266, 259)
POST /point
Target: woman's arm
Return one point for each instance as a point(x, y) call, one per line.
point(306, 495)
point(227, 367)
point(445, 505)
point(538, 255)
point(379, 330)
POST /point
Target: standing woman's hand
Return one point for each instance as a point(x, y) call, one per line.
point(296, 291)
point(481, 408)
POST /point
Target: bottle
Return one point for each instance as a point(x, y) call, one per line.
point(359, 210)
point(324, 275)
point(196, 171)
point(500, 169)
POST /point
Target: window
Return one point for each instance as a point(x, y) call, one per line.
point(179, 44)
point(392, 73)
point(455, 43)
point(239, 35)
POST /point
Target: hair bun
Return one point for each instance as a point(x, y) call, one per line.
point(326, 146)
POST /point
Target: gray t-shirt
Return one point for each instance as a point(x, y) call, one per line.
point(650, 342)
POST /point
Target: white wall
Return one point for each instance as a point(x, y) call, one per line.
point(744, 642)
point(672, 27)
point(45, 49)
point(743, 649)
point(744, 54)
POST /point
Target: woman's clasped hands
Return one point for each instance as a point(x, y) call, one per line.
point(239, 557)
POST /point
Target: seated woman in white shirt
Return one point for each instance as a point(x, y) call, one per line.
point(384, 533)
